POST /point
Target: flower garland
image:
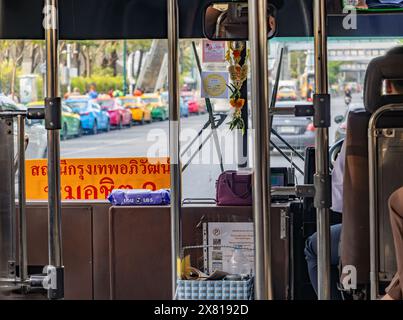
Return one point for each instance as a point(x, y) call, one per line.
point(238, 74)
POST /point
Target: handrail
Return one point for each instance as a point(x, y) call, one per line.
point(261, 126)
point(22, 221)
point(322, 176)
point(174, 144)
point(54, 177)
point(373, 195)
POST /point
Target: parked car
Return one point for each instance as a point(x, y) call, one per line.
point(140, 112)
point(93, 118)
point(286, 94)
point(221, 105)
point(71, 122)
point(298, 132)
point(159, 109)
point(183, 106)
point(341, 120)
point(195, 105)
point(34, 129)
point(118, 115)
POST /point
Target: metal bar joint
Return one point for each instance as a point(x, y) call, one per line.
point(53, 113)
point(323, 191)
point(304, 110)
point(37, 113)
point(321, 103)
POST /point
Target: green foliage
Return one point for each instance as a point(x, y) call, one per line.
point(103, 83)
point(142, 45)
point(6, 74)
point(39, 87)
point(102, 72)
point(334, 71)
point(297, 64)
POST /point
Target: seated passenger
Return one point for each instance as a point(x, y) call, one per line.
point(311, 252)
point(395, 289)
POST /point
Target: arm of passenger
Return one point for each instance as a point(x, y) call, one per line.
point(337, 181)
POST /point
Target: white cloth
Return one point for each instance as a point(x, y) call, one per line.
point(337, 181)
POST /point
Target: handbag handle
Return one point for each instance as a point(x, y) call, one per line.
point(244, 195)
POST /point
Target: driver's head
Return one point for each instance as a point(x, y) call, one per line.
point(394, 86)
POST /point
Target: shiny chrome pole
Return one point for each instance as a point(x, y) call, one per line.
point(373, 205)
point(322, 154)
point(174, 130)
point(22, 221)
point(261, 125)
point(52, 90)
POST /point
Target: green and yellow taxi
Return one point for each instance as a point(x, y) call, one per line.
point(71, 122)
point(159, 107)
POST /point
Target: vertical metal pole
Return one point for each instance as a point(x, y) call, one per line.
point(373, 205)
point(7, 202)
point(68, 67)
point(261, 124)
point(22, 223)
point(125, 67)
point(174, 130)
point(52, 89)
point(322, 152)
point(243, 139)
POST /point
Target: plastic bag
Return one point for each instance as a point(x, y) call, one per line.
point(140, 197)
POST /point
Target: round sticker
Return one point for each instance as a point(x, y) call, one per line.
point(215, 85)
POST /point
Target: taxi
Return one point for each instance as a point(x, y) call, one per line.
point(159, 109)
point(71, 121)
point(141, 112)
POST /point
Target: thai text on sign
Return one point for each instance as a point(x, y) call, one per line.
point(94, 179)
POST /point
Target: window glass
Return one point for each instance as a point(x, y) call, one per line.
point(106, 103)
point(97, 71)
point(77, 105)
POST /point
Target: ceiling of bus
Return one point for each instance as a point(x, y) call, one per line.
point(137, 19)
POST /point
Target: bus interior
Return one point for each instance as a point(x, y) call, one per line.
point(74, 244)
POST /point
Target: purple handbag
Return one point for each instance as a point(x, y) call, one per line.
point(234, 189)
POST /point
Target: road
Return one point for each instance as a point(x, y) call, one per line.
point(152, 140)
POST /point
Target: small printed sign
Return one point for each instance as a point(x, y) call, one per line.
point(214, 85)
point(223, 237)
point(213, 51)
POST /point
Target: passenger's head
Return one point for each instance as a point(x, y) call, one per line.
point(394, 86)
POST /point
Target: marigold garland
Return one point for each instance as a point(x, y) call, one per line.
point(238, 75)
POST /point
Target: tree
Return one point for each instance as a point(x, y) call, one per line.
point(298, 59)
point(334, 71)
point(12, 53)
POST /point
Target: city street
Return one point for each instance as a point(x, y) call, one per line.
point(152, 140)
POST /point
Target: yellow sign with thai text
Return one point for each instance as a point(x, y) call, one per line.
point(94, 179)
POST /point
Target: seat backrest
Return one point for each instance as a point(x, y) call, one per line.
point(355, 228)
point(355, 249)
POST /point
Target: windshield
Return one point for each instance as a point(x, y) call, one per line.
point(150, 100)
point(78, 104)
point(106, 103)
point(129, 101)
point(186, 98)
point(286, 89)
